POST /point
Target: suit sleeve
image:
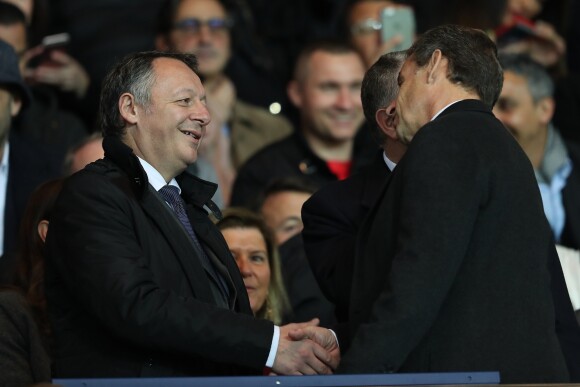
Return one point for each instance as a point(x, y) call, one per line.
point(440, 192)
point(96, 251)
point(329, 241)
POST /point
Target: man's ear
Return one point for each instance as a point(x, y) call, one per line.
point(127, 108)
point(294, 93)
point(387, 120)
point(42, 229)
point(545, 108)
point(437, 66)
point(15, 105)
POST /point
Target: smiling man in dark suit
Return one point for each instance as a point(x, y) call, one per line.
point(451, 273)
point(139, 281)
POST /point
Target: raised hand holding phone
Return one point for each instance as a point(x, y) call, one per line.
point(50, 64)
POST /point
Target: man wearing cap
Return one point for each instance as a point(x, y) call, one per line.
point(23, 166)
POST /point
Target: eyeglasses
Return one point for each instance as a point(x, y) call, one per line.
point(365, 27)
point(193, 25)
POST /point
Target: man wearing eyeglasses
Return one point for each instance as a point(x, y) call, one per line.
point(364, 24)
point(202, 27)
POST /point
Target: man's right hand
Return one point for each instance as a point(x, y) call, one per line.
point(302, 358)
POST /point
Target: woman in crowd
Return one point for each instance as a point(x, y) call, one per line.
point(24, 327)
point(253, 248)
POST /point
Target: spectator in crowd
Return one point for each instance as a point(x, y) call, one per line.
point(281, 203)
point(44, 121)
point(446, 277)
point(88, 150)
point(252, 244)
point(526, 107)
point(237, 129)
point(23, 165)
point(166, 297)
point(23, 319)
point(334, 214)
point(364, 28)
point(521, 33)
point(326, 90)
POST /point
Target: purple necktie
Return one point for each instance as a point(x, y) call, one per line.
point(171, 195)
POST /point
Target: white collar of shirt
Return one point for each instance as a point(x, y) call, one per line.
point(390, 164)
point(155, 178)
point(4, 162)
point(442, 110)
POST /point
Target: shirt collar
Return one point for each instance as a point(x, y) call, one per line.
point(442, 110)
point(390, 164)
point(155, 179)
point(4, 162)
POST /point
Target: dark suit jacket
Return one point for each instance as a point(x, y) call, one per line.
point(450, 272)
point(332, 217)
point(571, 200)
point(128, 295)
point(306, 299)
point(291, 156)
point(29, 165)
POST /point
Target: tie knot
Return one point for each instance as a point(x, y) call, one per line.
point(171, 194)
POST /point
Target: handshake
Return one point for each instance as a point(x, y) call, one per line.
point(306, 349)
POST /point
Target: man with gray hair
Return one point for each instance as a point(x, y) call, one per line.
point(333, 215)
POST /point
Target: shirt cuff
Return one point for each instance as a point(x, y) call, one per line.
point(274, 347)
point(335, 337)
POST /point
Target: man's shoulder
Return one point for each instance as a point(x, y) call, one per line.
point(348, 193)
point(286, 149)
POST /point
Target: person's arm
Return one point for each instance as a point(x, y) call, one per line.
point(95, 246)
point(329, 241)
point(94, 243)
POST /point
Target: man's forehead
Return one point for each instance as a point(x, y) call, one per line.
point(332, 64)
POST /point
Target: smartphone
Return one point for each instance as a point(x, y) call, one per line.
point(50, 43)
point(400, 21)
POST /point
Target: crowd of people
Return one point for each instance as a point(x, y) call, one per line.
point(190, 204)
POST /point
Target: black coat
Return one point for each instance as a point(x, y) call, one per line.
point(450, 272)
point(29, 165)
point(292, 156)
point(128, 295)
point(571, 199)
point(332, 217)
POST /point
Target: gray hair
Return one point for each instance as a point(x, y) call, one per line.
point(380, 88)
point(134, 74)
point(539, 81)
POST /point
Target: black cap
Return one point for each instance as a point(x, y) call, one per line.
point(10, 72)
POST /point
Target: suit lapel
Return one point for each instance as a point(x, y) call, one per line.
point(169, 226)
point(572, 206)
point(221, 257)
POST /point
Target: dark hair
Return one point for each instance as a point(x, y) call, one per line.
point(539, 82)
point(379, 88)
point(30, 261)
point(277, 302)
point(134, 74)
point(11, 14)
point(336, 47)
point(166, 16)
point(69, 157)
point(285, 184)
point(472, 55)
